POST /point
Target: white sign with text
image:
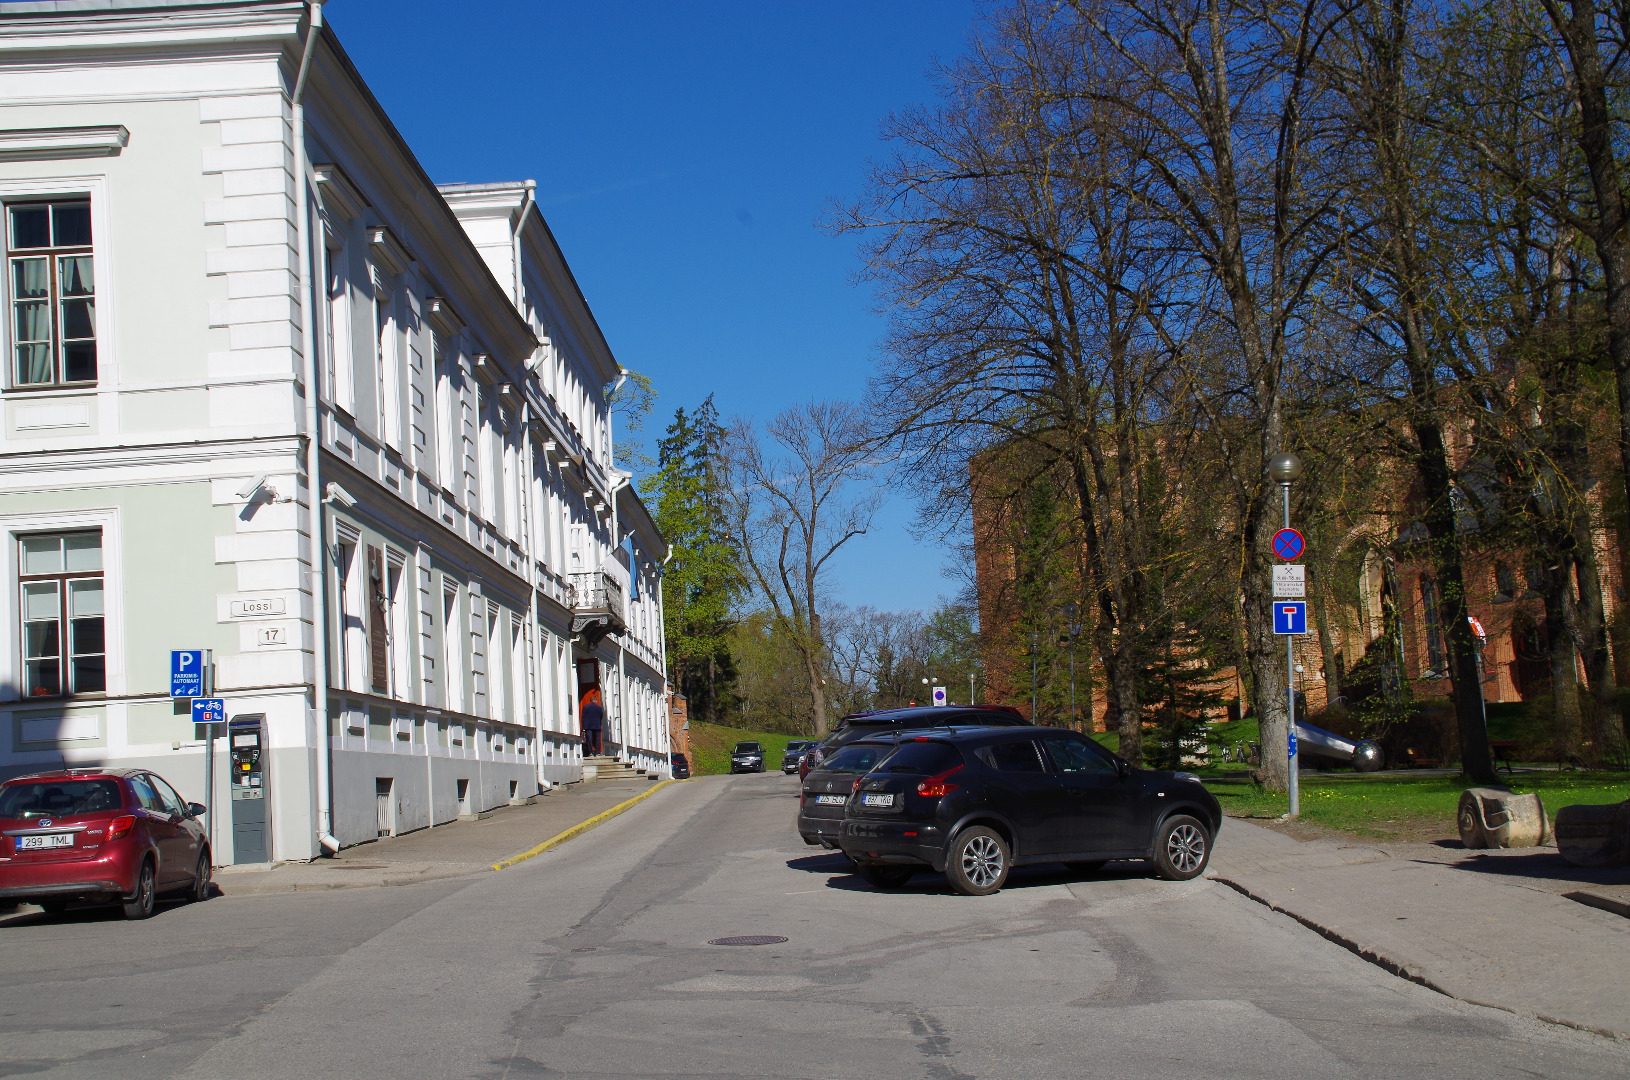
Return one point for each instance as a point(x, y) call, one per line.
point(1289, 581)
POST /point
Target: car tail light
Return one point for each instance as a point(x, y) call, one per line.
point(856, 785)
point(935, 786)
point(120, 826)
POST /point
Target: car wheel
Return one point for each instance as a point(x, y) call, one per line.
point(201, 880)
point(140, 906)
point(1088, 866)
point(1182, 848)
point(979, 861)
point(885, 877)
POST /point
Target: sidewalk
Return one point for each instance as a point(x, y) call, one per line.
point(456, 849)
point(1494, 928)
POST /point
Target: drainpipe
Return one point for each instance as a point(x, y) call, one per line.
point(531, 193)
point(314, 487)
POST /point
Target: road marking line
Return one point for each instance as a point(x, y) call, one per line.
point(582, 826)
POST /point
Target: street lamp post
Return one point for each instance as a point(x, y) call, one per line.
point(1285, 469)
point(1072, 611)
point(1032, 676)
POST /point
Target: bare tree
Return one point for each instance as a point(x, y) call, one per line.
point(793, 502)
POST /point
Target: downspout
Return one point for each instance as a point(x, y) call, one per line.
point(520, 223)
point(537, 650)
point(662, 650)
point(317, 548)
point(537, 654)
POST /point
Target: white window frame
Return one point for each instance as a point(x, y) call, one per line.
point(17, 525)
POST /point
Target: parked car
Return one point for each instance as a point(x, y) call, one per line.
point(747, 757)
point(680, 766)
point(973, 804)
point(794, 753)
point(860, 725)
point(824, 793)
point(100, 836)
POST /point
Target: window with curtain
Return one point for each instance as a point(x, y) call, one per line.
point(53, 293)
point(64, 639)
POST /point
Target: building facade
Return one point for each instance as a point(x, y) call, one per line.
point(271, 393)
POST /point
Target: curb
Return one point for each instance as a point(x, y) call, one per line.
point(1403, 971)
point(582, 826)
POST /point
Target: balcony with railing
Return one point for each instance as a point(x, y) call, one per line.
point(597, 604)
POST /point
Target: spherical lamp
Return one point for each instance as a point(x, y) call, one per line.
point(1284, 468)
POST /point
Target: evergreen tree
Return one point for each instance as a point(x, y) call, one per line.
point(702, 580)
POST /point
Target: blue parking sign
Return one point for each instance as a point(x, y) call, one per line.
point(1290, 616)
point(187, 673)
point(208, 710)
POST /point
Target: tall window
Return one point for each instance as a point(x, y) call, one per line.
point(1434, 627)
point(53, 293)
point(64, 644)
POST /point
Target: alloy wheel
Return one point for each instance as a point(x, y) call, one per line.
point(1186, 848)
point(982, 861)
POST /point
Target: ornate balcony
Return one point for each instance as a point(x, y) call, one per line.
point(597, 605)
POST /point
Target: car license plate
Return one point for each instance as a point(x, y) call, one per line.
point(877, 800)
point(50, 840)
point(830, 800)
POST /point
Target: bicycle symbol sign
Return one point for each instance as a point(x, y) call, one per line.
point(1288, 544)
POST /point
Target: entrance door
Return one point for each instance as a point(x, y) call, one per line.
point(385, 803)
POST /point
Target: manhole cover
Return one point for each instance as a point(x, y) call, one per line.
point(748, 939)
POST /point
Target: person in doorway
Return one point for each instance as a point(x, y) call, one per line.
point(594, 720)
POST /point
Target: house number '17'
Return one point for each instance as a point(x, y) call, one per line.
point(272, 635)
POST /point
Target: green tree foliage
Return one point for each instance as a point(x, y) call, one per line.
point(702, 581)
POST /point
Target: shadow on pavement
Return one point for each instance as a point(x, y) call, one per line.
point(840, 875)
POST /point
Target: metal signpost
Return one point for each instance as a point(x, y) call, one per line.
point(1289, 616)
point(191, 677)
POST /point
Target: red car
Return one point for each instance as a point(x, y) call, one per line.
point(99, 836)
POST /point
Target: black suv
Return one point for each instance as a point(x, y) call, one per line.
point(976, 803)
point(747, 757)
point(916, 718)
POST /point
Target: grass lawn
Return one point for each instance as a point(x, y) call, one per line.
point(1409, 808)
point(710, 746)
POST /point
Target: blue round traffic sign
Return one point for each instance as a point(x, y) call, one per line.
point(1288, 544)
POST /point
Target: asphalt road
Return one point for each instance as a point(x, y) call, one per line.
point(592, 960)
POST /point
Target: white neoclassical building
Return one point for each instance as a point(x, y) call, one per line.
point(271, 393)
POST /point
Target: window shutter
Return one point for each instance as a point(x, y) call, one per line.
point(378, 632)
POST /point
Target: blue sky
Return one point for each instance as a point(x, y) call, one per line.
point(683, 154)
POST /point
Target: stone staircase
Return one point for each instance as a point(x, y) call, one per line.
point(606, 767)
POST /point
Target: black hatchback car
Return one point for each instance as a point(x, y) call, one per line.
point(916, 718)
point(976, 803)
point(825, 793)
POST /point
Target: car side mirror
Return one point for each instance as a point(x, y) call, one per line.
point(197, 809)
point(1123, 768)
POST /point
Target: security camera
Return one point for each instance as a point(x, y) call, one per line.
point(248, 490)
point(337, 494)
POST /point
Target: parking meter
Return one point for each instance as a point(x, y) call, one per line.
point(246, 738)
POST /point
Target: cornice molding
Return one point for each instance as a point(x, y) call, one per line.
point(388, 250)
point(440, 314)
point(45, 144)
point(339, 195)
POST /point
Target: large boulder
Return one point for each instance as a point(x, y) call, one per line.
point(1594, 835)
point(1498, 818)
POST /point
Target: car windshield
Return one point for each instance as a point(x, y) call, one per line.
point(924, 757)
point(860, 758)
point(747, 748)
point(58, 798)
